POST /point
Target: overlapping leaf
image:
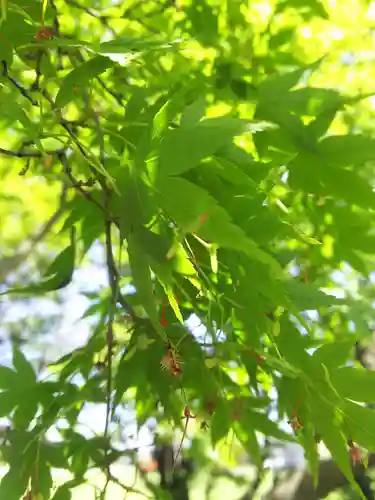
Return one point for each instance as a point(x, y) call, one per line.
point(58, 275)
point(79, 77)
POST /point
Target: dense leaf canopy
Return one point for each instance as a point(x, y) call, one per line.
point(222, 155)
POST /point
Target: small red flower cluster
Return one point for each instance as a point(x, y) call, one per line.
point(354, 452)
point(171, 362)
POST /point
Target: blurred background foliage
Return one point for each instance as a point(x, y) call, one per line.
point(218, 57)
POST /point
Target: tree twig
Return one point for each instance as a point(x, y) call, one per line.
point(128, 489)
point(10, 263)
point(30, 154)
point(18, 86)
point(75, 183)
point(96, 15)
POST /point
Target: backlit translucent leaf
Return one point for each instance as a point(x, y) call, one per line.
point(139, 264)
point(58, 275)
point(79, 77)
point(334, 354)
point(353, 383)
point(186, 202)
point(345, 150)
point(193, 113)
point(306, 296)
point(62, 493)
point(23, 366)
point(310, 174)
point(183, 149)
point(361, 421)
point(326, 423)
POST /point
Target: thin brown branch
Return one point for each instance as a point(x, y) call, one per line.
point(52, 221)
point(8, 264)
point(106, 190)
point(95, 14)
point(17, 85)
point(31, 154)
point(118, 97)
point(77, 184)
point(128, 489)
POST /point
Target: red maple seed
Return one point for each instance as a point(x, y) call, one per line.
point(238, 404)
point(255, 355)
point(354, 452)
point(44, 34)
point(3, 40)
point(295, 423)
point(187, 413)
point(235, 415)
point(203, 218)
point(148, 466)
point(163, 321)
point(176, 370)
point(171, 362)
point(48, 161)
point(210, 406)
